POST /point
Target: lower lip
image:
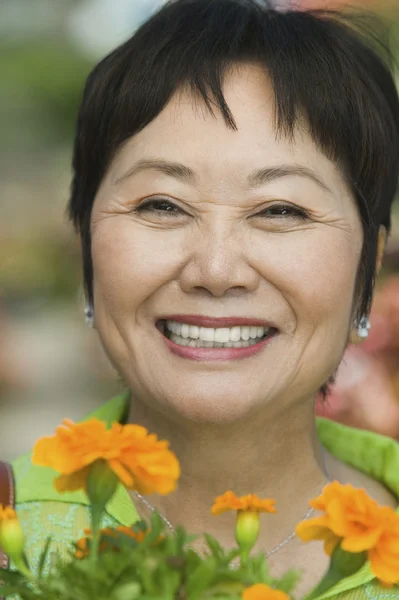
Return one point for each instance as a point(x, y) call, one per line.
point(216, 354)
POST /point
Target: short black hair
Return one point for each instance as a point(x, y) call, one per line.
point(332, 68)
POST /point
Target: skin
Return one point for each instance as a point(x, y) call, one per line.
point(229, 250)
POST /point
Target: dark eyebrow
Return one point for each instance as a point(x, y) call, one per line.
point(172, 169)
point(255, 179)
point(261, 176)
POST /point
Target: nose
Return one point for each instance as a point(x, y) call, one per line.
point(219, 263)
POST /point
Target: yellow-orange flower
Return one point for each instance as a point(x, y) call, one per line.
point(261, 591)
point(82, 545)
point(11, 534)
point(247, 520)
point(229, 501)
point(139, 459)
point(7, 513)
point(359, 524)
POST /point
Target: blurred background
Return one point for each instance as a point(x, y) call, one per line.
point(51, 363)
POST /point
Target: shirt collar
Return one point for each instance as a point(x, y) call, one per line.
point(35, 484)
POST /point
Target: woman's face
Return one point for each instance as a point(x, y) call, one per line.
point(195, 220)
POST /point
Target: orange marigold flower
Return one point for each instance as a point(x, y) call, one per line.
point(7, 513)
point(261, 591)
point(229, 501)
point(83, 544)
point(82, 548)
point(140, 460)
point(359, 524)
point(136, 535)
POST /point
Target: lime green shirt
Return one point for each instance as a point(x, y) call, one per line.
point(43, 512)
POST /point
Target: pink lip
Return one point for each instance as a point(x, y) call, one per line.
point(202, 321)
point(216, 354)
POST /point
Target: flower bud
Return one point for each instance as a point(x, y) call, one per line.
point(247, 529)
point(101, 483)
point(12, 538)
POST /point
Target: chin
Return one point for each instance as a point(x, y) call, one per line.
point(226, 410)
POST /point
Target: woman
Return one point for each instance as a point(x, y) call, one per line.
point(234, 170)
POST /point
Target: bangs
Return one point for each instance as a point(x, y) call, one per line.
point(332, 70)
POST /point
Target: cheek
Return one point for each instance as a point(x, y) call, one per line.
point(131, 262)
point(315, 270)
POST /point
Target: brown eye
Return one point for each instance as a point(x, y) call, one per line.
point(284, 211)
point(159, 206)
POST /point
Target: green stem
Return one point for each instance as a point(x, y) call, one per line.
point(22, 568)
point(325, 584)
point(96, 513)
point(101, 484)
point(244, 556)
point(343, 564)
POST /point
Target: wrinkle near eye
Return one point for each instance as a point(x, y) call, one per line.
point(105, 214)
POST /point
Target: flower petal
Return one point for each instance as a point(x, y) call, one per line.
point(387, 573)
point(250, 502)
point(312, 529)
point(138, 458)
point(261, 591)
point(122, 473)
point(364, 541)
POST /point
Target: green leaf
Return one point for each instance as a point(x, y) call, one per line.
point(43, 557)
point(8, 591)
point(11, 576)
point(129, 591)
point(202, 578)
point(157, 527)
point(214, 546)
point(288, 581)
point(140, 526)
point(229, 589)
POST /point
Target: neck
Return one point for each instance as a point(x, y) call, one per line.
point(275, 456)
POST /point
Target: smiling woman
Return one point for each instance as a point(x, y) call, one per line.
point(234, 170)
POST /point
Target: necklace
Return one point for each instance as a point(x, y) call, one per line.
point(172, 529)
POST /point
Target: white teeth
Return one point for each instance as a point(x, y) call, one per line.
point(194, 332)
point(245, 333)
point(177, 339)
point(185, 330)
point(207, 335)
point(217, 337)
point(235, 334)
point(222, 335)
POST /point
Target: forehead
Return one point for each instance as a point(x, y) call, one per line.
point(187, 132)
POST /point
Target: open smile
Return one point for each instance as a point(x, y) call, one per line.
point(189, 338)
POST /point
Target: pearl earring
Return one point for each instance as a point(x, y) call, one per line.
point(360, 331)
point(89, 315)
point(363, 327)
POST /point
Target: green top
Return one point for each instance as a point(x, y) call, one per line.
point(45, 512)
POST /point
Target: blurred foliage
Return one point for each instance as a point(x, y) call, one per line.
point(48, 267)
point(42, 85)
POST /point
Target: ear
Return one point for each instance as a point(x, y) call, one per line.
point(381, 245)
